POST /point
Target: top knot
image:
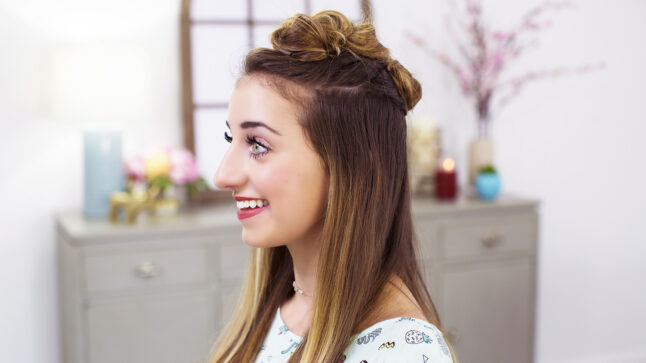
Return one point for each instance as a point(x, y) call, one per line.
point(328, 33)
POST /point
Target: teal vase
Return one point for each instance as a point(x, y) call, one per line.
point(488, 185)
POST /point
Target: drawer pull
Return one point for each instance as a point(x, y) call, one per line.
point(147, 270)
point(491, 240)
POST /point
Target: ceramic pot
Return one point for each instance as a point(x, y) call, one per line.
point(488, 186)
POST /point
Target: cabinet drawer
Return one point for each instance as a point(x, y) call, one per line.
point(233, 260)
point(488, 237)
point(141, 268)
point(228, 296)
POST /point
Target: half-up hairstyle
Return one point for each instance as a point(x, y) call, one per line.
point(353, 98)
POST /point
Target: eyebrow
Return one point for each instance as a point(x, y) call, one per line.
point(252, 124)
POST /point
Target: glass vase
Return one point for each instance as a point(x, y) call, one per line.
point(169, 202)
point(481, 149)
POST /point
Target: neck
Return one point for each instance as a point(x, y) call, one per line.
point(304, 262)
point(305, 258)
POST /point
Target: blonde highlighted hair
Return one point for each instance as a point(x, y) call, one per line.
point(353, 99)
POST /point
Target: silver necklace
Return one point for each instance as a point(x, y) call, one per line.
point(298, 289)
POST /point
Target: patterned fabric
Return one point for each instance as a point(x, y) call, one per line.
point(390, 341)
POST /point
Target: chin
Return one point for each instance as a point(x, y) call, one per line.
point(255, 240)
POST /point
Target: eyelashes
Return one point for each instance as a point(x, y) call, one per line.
point(253, 143)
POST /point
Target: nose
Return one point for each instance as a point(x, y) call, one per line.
point(230, 173)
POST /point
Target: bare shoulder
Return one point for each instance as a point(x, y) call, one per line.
point(401, 301)
point(396, 300)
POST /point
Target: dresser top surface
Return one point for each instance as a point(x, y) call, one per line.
point(465, 203)
point(223, 218)
point(191, 221)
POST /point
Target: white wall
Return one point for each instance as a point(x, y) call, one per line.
point(41, 159)
point(576, 144)
point(572, 143)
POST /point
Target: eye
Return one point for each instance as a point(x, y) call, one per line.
point(257, 148)
point(227, 137)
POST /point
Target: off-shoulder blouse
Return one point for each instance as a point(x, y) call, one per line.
point(396, 340)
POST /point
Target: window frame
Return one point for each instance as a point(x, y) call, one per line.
point(189, 106)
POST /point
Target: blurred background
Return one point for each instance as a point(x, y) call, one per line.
point(570, 141)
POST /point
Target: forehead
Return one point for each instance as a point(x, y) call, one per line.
point(259, 98)
point(288, 89)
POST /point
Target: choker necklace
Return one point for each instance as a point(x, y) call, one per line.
point(298, 289)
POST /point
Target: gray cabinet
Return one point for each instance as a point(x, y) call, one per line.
point(480, 265)
point(160, 291)
point(154, 292)
point(174, 327)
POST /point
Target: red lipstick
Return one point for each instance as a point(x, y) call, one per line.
point(250, 212)
point(238, 198)
point(246, 213)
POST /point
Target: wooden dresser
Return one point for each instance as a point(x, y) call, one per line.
point(160, 290)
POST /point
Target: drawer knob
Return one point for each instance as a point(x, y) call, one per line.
point(147, 270)
point(491, 240)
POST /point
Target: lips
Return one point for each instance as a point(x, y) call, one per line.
point(247, 213)
point(238, 198)
point(250, 212)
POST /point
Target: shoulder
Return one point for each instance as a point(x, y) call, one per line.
point(402, 339)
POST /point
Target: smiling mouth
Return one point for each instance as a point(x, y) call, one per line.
point(251, 204)
point(248, 211)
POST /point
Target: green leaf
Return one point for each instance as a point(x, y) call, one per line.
point(487, 169)
point(163, 182)
point(196, 186)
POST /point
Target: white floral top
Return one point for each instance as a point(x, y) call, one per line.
point(394, 340)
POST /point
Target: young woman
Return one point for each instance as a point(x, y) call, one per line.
point(318, 167)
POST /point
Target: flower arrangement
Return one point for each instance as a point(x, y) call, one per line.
point(164, 167)
point(487, 52)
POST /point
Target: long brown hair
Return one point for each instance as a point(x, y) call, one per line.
point(353, 98)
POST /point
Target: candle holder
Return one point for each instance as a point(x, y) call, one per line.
point(102, 169)
point(446, 179)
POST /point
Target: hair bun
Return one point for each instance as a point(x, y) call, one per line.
point(327, 33)
point(407, 86)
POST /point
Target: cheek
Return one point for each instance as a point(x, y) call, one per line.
point(272, 182)
point(296, 192)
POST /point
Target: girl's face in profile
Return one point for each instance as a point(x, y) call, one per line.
point(270, 159)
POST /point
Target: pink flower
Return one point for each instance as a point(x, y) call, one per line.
point(183, 166)
point(496, 59)
point(136, 168)
point(500, 35)
point(485, 61)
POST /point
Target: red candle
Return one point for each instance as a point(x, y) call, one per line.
point(445, 180)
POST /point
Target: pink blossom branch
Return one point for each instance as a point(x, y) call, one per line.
point(459, 43)
point(487, 53)
point(529, 19)
point(518, 83)
point(445, 60)
point(529, 23)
